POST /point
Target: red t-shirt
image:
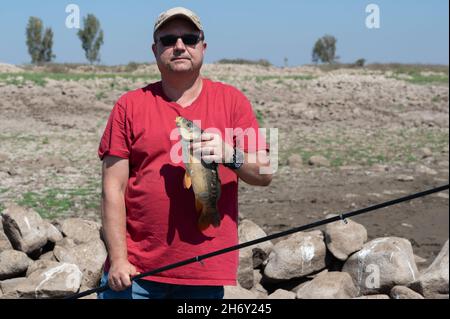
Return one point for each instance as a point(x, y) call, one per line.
point(160, 213)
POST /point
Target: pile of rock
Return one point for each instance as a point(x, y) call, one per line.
point(336, 263)
point(43, 260)
point(39, 259)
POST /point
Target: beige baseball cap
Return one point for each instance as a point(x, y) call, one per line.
point(177, 12)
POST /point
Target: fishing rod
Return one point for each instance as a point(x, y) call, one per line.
point(342, 217)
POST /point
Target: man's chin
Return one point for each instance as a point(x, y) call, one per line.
point(181, 67)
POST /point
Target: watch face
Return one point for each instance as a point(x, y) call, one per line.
point(239, 159)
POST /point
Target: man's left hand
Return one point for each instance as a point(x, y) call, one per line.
point(213, 149)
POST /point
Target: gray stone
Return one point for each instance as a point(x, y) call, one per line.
point(344, 239)
point(237, 292)
point(330, 285)
point(249, 257)
point(426, 152)
point(295, 160)
point(405, 178)
point(299, 255)
point(378, 296)
point(48, 256)
point(80, 230)
point(259, 291)
point(402, 292)
point(8, 287)
point(4, 242)
point(382, 264)
point(281, 294)
point(245, 269)
point(248, 231)
point(433, 282)
point(89, 258)
point(24, 228)
point(55, 281)
point(40, 265)
point(420, 262)
point(53, 234)
point(422, 169)
point(318, 160)
point(13, 263)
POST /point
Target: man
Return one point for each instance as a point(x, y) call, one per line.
point(149, 218)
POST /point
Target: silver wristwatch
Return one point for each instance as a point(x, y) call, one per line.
point(238, 159)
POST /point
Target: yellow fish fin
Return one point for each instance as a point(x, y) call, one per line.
point(187, 180)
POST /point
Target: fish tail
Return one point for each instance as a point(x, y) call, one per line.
point(209, 216)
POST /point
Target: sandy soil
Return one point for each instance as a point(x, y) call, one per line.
point(384, 137)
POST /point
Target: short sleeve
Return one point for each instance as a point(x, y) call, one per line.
point(116, 139)
point(247, 135)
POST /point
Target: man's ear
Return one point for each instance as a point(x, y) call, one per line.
point(205, 45)
point(154, 49)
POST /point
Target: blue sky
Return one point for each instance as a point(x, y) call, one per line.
point(411, 31)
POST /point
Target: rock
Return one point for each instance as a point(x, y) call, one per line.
point(281, 294)
point(53, 234)
point(420, 262)
point(24, 228)
point(318, 160)
point(422, 169)
point(433, 282)
point(245, 269)
point(379, 296)
point(425, 152)
point(402, 292)
point(259, 291)
point(382, 264)
point(8, 287)
point(4, 242)
point(55, 281)
point(405, 178)
point(89, 258)
point(48, 256)
point(330, 285)
point(380, 168)
point(295, 160)
point(237, 292)
point(253, 256)
point(91, 296)
point(80, 230)
point(248, 231)
point(299, 255)
point(344, 239)
point(40, 265)
point(13, 263)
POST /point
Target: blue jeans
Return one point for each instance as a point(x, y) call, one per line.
point(145, 289)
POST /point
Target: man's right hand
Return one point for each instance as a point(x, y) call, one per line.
point(119, 275)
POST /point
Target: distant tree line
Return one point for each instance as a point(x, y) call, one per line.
point(40, 42)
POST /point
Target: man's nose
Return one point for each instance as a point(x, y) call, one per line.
point(179, 45)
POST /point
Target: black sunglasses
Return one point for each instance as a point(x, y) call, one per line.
point(188, 39)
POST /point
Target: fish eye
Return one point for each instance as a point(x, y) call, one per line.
point(189, 124)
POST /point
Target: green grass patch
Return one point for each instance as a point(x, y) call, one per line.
point(100, 95)
point(56, 202)
point(40, 78)
point(260, 117)
point(384, 148)
point(278, 78)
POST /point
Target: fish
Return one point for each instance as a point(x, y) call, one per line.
point(201, 176)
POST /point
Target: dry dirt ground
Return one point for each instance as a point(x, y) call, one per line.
point(384, 132)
